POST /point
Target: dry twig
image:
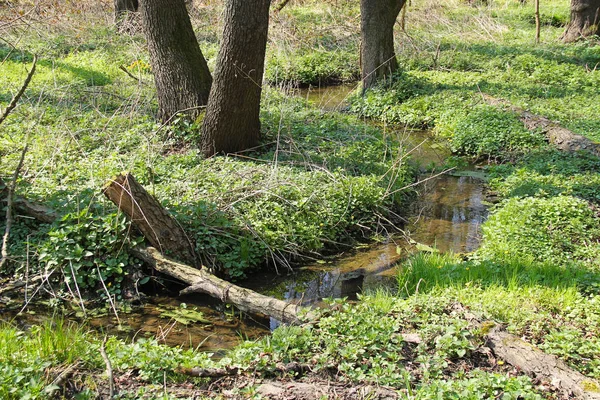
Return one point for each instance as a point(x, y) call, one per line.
point(9, 207)
point(15, 100)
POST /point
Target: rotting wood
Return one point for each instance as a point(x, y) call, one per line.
point(37, 211)
point(532, 360)
point(150, 217)
point(202, 281)
point(562, 138)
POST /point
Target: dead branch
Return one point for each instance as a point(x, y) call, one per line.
point(562, 138)
point(9, 207)
point(533, 361)
point(15, 100)
point(37, 211)
point(109, 370)
point(204, 282)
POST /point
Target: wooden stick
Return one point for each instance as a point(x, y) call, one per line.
point(9, 207)
point(537, 21)
point(14, 101)
point(109, 370)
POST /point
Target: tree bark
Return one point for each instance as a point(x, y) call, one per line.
point(33, 210)
point(585, 20)
point(123, 7)
point(533, 361)
point(181, 74)
point(232, 118)
point(204, 282)
point(149, 216)
point(377, 55)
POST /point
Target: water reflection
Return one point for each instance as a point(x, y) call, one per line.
point(447, 216)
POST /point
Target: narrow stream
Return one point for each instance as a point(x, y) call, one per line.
point(447, 216)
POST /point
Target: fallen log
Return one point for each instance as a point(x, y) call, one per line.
point(149, 216)
point(200, 280)
point(532, 360)
point(546, 367)
point(34, 210)
point(562, 138)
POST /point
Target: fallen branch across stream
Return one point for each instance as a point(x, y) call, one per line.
point(203, 281)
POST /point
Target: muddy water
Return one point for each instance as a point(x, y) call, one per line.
point(447, 216)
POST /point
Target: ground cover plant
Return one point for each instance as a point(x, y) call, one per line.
point(318, 182)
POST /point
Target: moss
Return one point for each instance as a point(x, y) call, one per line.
point(590, 386)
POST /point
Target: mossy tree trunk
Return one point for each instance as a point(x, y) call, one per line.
point(232, 120)
point(377, 55)
point(585, 20)
point(181, 75)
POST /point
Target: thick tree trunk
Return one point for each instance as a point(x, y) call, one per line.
point(204, 282)
point(155, 223)
point(377, 56)
point(232, 118)
point(181, 74)
point(585, 20)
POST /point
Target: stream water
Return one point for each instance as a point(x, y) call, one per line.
point(447, 216)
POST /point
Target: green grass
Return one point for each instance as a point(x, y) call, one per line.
point(319, 181)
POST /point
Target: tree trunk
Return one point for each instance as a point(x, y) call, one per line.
point(155, 223)
point(377, 56)
point(181, 75)
point(123, 7)
point(232, 118)
point(585, 20)
point(532, 360)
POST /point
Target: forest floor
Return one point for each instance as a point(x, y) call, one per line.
point(321, 181)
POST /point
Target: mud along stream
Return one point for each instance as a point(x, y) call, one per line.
point(446, 215)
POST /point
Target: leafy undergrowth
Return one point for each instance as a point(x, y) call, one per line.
point(317, 183)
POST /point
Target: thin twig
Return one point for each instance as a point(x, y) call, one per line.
point(9, 205)
point(122, 68)
point(15, 99)
point(109, 370)
point(421, 181)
